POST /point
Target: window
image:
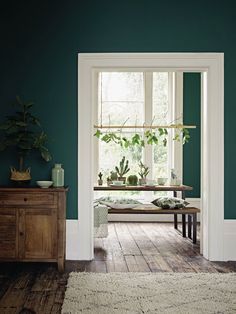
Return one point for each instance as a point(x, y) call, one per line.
point(137, 98)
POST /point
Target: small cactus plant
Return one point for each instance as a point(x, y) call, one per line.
point(100, 181)
point(132, 180)
point(144, 170)
point(123, 168)
point(113, 175)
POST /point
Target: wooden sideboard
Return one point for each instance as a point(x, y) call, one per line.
point(33, 225)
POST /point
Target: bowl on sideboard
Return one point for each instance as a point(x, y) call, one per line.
point(44, 184)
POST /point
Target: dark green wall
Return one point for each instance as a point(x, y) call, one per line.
point(192, 116)
point(40, 41)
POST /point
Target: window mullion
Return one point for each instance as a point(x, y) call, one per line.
point(96, 102)
point(177, 113)
point(148, 87)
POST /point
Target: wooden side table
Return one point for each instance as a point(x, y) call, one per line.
point(33, 225)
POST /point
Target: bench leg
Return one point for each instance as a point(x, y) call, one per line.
point(190, 226)
point(176, 221)
point(184, 225)
point(194, 228)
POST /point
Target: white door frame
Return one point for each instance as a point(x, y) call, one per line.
point(212, 141)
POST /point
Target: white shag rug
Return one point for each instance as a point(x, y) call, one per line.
point(172, 293)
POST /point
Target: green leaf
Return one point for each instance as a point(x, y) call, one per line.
point(46, 155)
point(147, 133)
point(106, 138)
point(29, 105)
point(98, 134)
point(165, 142)
point(155, 139)
point(21, 123)
point(19, 100)
point(12, 130)
point(161, 131)
point(176, 138)
point(125, 142)
point(23, 145)
point(115, 138)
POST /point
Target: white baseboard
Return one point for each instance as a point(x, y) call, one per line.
point(229, 240)
point(72, 236)
point(194, 202)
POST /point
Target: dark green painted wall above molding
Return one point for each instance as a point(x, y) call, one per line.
point(40, 41)
point(192, 116)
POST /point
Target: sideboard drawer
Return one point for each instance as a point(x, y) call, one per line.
point(19, 199)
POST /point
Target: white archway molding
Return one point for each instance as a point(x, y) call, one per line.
point(80, 232)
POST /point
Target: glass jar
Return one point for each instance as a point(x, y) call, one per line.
point(58, 175)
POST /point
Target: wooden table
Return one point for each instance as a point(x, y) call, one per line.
point(173, 188)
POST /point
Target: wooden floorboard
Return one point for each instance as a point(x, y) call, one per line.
point(130, 247)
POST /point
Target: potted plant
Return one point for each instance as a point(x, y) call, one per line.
point(113, 177)
point(132, 180)
point(144, 171)
point(109, 182)
point(100, 181)
point(122, 169)
point(22, 131)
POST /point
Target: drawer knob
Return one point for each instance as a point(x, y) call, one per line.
point(25, 199)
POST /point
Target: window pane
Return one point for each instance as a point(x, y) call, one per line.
point(160, 111)
point(121, 97)
point(160, 97)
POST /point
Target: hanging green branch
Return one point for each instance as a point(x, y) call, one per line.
point(182, 134)
point(150, 137)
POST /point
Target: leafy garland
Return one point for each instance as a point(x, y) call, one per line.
point(150, 137)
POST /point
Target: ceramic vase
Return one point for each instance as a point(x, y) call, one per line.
point(58, 175)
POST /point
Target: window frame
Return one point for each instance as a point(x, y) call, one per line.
point(175, 96)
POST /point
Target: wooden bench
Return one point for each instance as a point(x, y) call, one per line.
point(191, 212)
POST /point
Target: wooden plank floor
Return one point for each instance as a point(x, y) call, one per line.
point(130, 247)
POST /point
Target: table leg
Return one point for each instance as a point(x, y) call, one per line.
point(190, 226)
point(183, 195)
point(184, 225)
point(176, 221)
point(194, 228)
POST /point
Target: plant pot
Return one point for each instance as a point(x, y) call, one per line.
point(122, 179)
point(142, 181)
point(100, 182)
point(109, 182)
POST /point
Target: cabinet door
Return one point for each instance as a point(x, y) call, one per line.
point(8, 234)
point(37, 233)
